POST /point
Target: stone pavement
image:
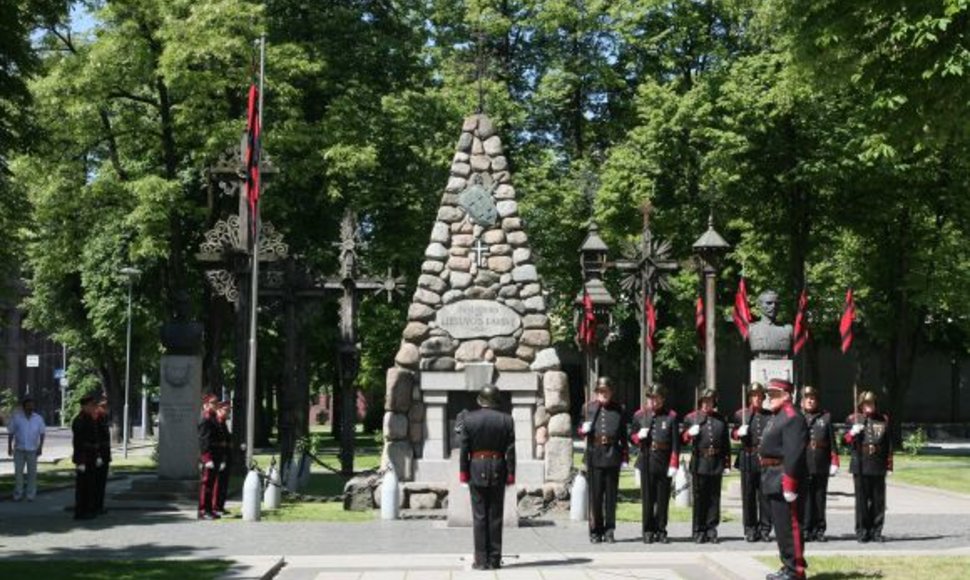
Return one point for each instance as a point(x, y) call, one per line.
point(919, 521)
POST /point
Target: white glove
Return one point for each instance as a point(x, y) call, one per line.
point(727, 471)
point(222, 466)
point(833, 470)
point(671, 471)
point(586, 427)
point(856, 429)
point(624, 465)
point(890, 472)
point(742, 431)
point(790, 496)
point(209, 465)
point(82, 468)
point(694, 430)
point(464, 485)
point(98, 462)
point(642, 433)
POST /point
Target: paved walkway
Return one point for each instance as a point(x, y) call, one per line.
point(919, 521)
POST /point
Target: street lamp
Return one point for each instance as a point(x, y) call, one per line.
point(131, 273)
point(593, 260)
point(710, 248)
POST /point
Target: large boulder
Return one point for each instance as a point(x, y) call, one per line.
point(401, 456)
point(560, 425)
point(558, 458)
point(398, 395)
point(555, 387)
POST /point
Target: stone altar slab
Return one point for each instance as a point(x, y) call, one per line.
point(178, 416)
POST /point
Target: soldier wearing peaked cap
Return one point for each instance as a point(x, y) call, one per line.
point(707, 434)
point(822, 462)
point(872, 460)
point(782, 453)
point(607, 449)
point(487, 463)
point(656, 431)
point(750, 422)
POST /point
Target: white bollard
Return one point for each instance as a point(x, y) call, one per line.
point(273, 495)
point(636, 477)
point(578, 499)
point(681, 488)
point(250, 497)
point(389, 495)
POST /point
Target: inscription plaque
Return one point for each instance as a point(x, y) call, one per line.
point(477, 319)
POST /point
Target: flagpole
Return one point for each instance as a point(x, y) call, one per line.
point(254, 289)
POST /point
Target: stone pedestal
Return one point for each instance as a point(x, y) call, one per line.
point(178, 417)
point(763, 370)
point(460, 503)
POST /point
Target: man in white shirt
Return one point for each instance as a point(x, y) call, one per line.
point(25, 442)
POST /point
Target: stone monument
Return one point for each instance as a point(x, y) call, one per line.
point(180, 396)
point(477, 315)
point(770, 343)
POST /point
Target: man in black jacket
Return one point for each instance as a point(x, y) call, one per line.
point(487, 463)
point(607, 450)
point(872, 461)
point(782, 454)
point(656, 432)
point(208, 437)
point(103, 461)
point(707, 433)
point(85, 457)
point(822, 462)
point(750, 424)
point(221, 456)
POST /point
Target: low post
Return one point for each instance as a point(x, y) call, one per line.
point(578, 498)
point(251, 497)
point(389, 495)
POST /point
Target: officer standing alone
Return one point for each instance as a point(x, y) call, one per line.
point(707, 433)
point(822, 462)
point(85, 457)
point(487, 463)
point(751, 421)
point(607, 450)
point(782, 453)
point(103, 462)
point(656, 432)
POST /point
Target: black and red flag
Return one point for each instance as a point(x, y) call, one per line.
point(587, 325)
point(845, 325)
point(650, 314)
point(699, 322)
point(801, 322)
point(742, 312)
point(253, 153)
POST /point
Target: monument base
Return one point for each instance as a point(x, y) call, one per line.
point(765, 369)
point(444, 471)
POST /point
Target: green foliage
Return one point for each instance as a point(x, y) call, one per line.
point(915, 442)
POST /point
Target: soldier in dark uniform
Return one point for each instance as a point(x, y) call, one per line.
point(782, 476)
point(607, 449)
point(750, 423)
point(487, 462)
point(707, 433)
point(104, 455)
point(221, 456)
point(822, 462)
point(872, 460)
point(656, 432)
point(85, 457)
point(208, 428)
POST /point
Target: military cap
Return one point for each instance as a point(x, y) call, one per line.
point(488, 396)
point(708, 394)
point(88, 399)
point(781, 385)
point(603, 384)
point(809, 391)
point(867, 397)
point(756, 388)
point(657, 390)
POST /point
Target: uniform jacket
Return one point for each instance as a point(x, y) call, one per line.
point(208, 428)
point(784, 440)
point(872, 450)
point(85, 441)
point(606, 443)
point(661, 449)
point(221, 440)
point(822, 450)
point(104, 439)
point(757, 418)
point(711, 448)
point(488, 430)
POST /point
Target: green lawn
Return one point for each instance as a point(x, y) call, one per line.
point(951, 473)
point(61, 473)
point(883, 567)
point(114, 569)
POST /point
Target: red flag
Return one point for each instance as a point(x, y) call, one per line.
point(651, 319)
point(253, 153)
point(699, 322)
point(845, 325)
point(801, 322)
point(587, 325)
point(742, 313)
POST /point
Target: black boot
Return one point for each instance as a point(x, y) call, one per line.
point(647, 537)
point(608, 537)
point(662, 538)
